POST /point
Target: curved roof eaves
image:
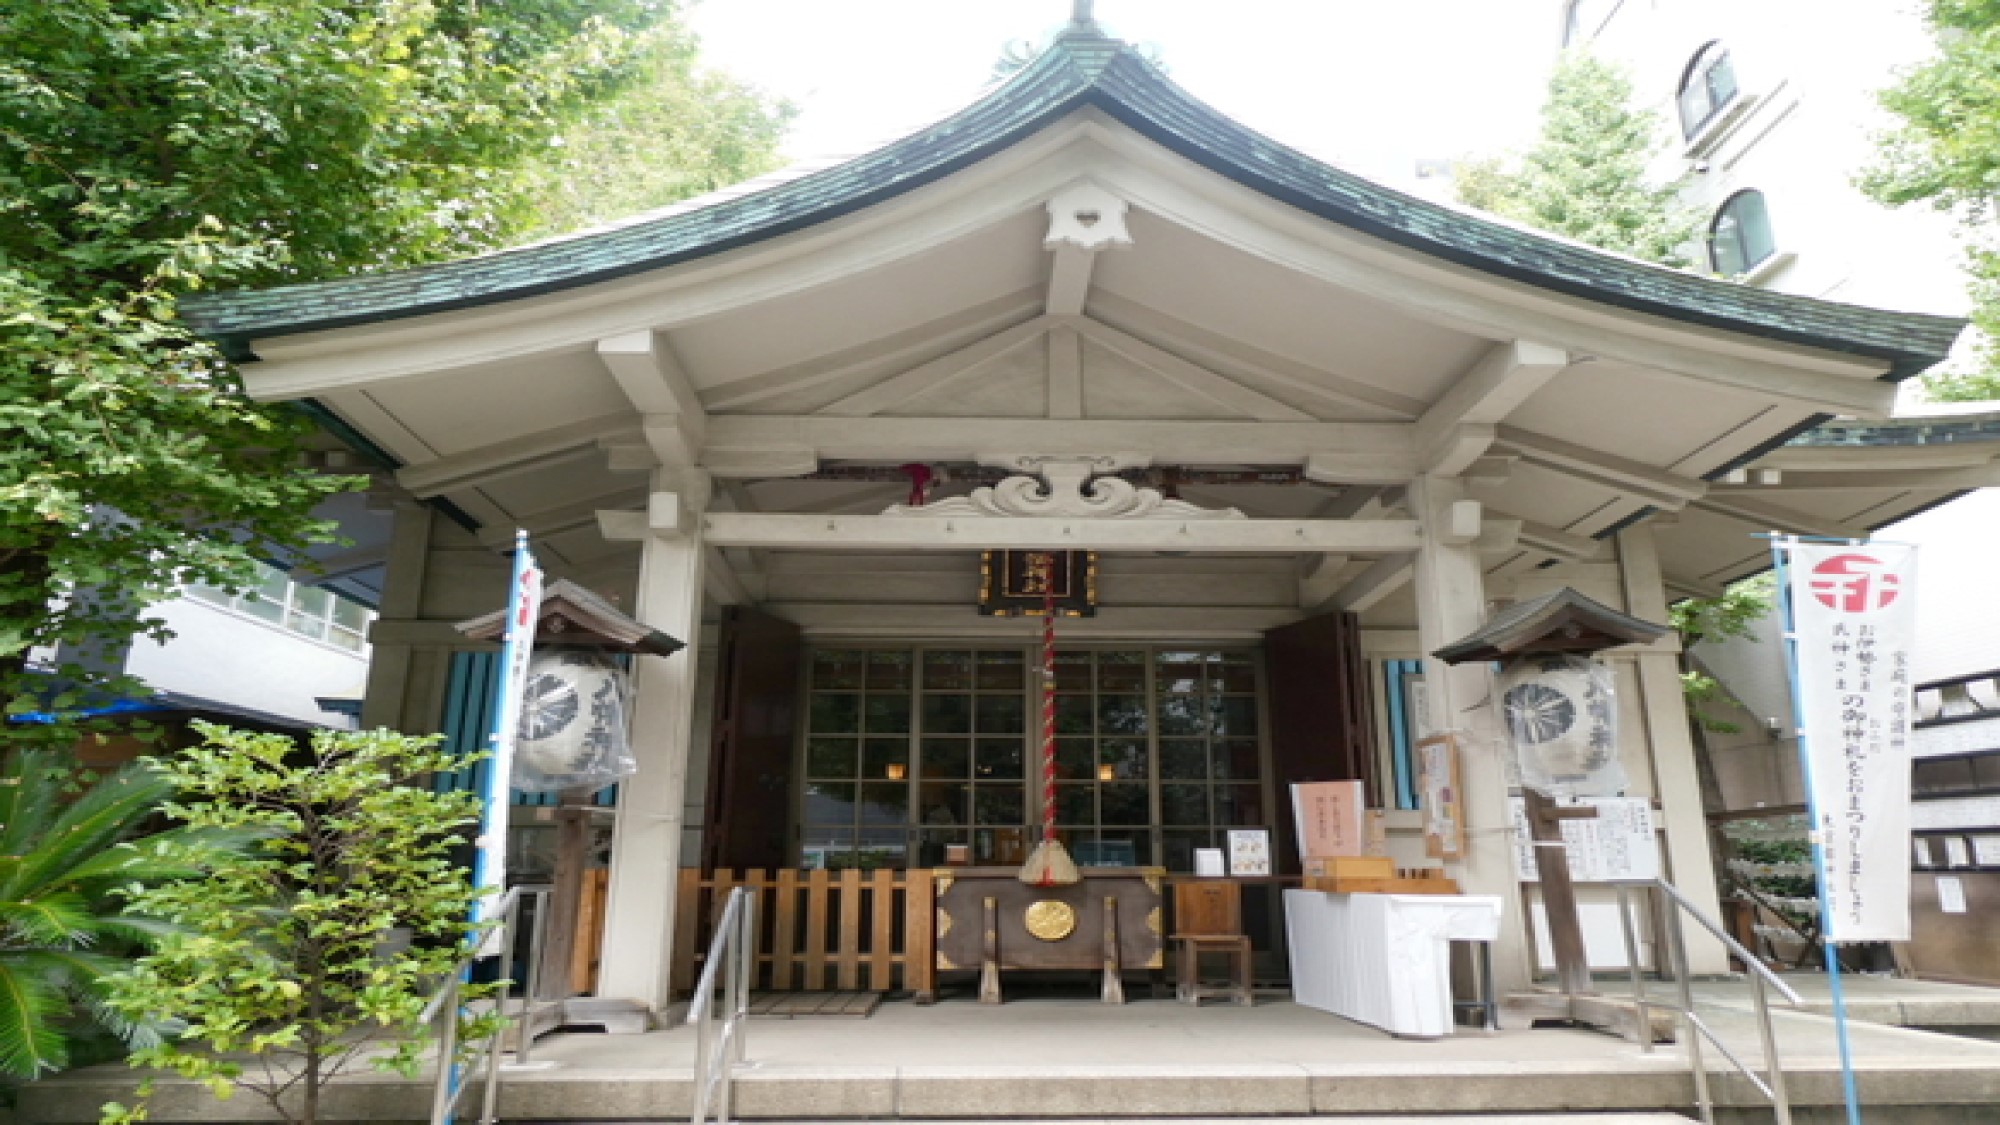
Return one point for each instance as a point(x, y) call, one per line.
point(1078, 69)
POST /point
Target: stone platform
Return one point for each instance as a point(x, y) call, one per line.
point(1078, 1060)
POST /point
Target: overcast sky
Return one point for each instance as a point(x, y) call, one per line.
point(1372, 85)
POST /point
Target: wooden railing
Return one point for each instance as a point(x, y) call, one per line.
point(819, 930)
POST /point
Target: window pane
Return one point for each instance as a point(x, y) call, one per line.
point(947, 671)
point(885, 802)
point(998, 759)
point(1182, 714)
point(1121, 714)
point(311, 601)
point(1178, 671)
point(306, 624)
point(888, 714)
point(1000, 714)
point(829, 803)
point(881, 847)
point(350, 615)
point(214, 595)
point(947, 758)
point(1239, 673)
point(1072, 671)
point(835, 714)
point(1124, 804)
point(829, 847)
point(999, 804)
point(1234, 760)
point(1121, 671)
point(942, 804)
point(832, 758)
point(1183, 759)
point(1125, 849)
point(1235, 715)
point(947, 714)
point(1076, 759)
point(882, 759)
point(1001, 671)
point(1239, 805)
point(889, 670)
point(267, 598)
point(1073, 714)
point(1076, 804)
point(837, 669)
point(345, 638)
point(1184, 804)
point(1178, 848)
point(1125, 756)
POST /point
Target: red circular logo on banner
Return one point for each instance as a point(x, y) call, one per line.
point(1854, 583)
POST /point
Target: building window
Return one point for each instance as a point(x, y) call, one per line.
point(1707, 86)
point(309, 611)
point(1739, 240)
point(909, 751)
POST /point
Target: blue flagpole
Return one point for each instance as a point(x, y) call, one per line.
point(1780, 565)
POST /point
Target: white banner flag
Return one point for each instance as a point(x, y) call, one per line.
point(1854, 620)
point(524, 609)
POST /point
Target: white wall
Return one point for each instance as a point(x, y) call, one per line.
point(231, 658)
point(1810, 70)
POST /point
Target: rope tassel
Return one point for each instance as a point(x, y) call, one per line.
point(1049, 865)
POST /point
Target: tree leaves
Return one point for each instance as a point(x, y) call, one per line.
point(1586, 177)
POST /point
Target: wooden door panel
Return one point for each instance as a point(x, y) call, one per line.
point(1320, 715)
point(750, 794)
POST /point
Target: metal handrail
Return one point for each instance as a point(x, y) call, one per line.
point(443, 1010)
point(733, 955)
point(1772, 1086)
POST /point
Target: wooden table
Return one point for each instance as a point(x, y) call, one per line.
point(987, 919)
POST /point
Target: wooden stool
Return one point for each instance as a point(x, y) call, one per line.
point(1208, 918)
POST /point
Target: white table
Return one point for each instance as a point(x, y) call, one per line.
point(1383, 960)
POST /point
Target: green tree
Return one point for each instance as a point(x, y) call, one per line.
point(1585, 177)
point(1946, 152)
point(69, 847)
point(280, 960)
point(149, 148)
point(675, 132)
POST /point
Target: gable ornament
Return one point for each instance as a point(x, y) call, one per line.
point(1065, 488)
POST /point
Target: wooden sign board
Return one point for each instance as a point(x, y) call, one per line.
point(1021, 583)
point(1331, 817)
point(1442, 797)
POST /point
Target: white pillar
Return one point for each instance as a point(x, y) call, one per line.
point(1689, 863)
point(1450, 589)
point(646, 842)
point(386, 700)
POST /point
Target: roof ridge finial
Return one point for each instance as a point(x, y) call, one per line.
point(1082, 13)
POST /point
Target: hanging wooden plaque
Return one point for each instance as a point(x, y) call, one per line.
point(1017, 583)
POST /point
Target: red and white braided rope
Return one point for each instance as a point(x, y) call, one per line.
point(1049, 716)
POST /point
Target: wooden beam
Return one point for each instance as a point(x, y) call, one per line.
point(1775, 518)
point(1221, 390)
point(563, 517)
point(1657, 487)
point(1382, 578)
point(1065, 372)
point(743, 436)
point(511, 457)
point(1458, 428)
point(650, 374)
point(955, 621)
point(1234, 357)
point(1888, 480)
point(1320, 580)
point(937, 373)
point(937, 533)
point(1069, 280)
point(889, 353)
point(1560, 544)
point(1693, 587)
point(341, 564)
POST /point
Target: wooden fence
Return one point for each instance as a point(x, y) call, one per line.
point(817, 930)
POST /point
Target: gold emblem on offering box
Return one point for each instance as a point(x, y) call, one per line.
point(1050, 920)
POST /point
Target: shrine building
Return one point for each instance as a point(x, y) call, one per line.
point(1289, 432)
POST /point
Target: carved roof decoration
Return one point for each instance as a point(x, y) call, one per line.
point(1081, 68)
point(1069, 488)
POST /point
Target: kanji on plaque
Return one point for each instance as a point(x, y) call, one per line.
point(1854, 624)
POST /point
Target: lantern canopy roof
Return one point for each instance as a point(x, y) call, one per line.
point(1564, 621)
point(573, 617)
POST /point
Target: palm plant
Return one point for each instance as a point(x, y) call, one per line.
point(68, 847)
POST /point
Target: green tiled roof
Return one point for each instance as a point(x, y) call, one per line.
point(1081, 68)
point(1934, 429)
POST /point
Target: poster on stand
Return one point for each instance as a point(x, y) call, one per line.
point(1854, 624)
point(1442, 797)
